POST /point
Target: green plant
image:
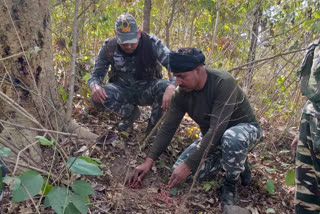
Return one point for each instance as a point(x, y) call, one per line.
point(61, 199)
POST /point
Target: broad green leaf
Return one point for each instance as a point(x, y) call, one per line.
point(270, 210)
point(44, 141)
point(71, 209)
point(82, 188)
point(270, 187)
point(32, 181)
point(57, 199)
point(82, 167)
point(12, 182)
point(290, 177)
point(46, 189)
point(5, 151)
point(98, 160)
point(80, 202)
point(174, 191)
point(89, 160)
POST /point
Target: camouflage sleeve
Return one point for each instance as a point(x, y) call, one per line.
point(101, 66)
point(310, 75)
point(162, 54)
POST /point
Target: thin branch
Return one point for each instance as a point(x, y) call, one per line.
point(264, 59)
point(18, 156)
point(14, 55)
point(73, 62)
point(34, 204)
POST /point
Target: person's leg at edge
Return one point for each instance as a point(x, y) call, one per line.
point(307, 195)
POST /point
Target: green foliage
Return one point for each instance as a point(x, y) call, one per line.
point(83, 167)
point(5, 151)
point(46, 189)
point(44, 141)
point(32, 182)
point(82, 188)
point(290, 177)
point(174, 191)
point(63, 93)
point(58, 199)
point(270, 187)
point(64, 201)
point(211, 184)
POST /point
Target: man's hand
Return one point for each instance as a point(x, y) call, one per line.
point(294, 145)
point(166, 99)
point(179, 175)
point(98, 93)
point(139, 172)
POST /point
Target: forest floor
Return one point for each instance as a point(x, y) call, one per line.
point(120, 152)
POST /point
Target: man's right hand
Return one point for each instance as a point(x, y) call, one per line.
point(139, 172)
point(98, 93)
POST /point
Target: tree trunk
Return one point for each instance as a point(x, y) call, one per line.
point(29, 95)
point(253, 46)
point(146, 16)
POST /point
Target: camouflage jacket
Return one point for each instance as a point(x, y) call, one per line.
point(309, 74)
point(123, 66)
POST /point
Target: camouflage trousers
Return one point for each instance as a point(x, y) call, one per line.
point(307, 196)
point(123, 99)
point(231, 154)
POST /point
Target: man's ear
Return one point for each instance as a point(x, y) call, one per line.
point(139, 33)
point(115, 33)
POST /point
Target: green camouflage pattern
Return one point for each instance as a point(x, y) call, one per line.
point(230, 155)
point(123, 99)
point(307, 196)
point(309, 74)
point(123, 69)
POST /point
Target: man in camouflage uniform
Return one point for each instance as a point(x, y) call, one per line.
point(135, 74)
point(307, 196)
point(216, 103)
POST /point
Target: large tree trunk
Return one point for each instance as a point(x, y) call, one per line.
point(29, 95)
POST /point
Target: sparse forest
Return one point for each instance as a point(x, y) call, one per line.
point(65, 156)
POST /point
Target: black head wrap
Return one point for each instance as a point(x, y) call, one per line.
point(185, 59)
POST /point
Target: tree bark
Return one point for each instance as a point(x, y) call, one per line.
point(215, 32)
point(29, 95)
point(73, 61)
point(253, 46)
point(146, 16)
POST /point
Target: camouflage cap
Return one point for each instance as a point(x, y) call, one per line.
point(127, 29)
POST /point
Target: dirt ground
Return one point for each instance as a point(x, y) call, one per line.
point(120, 153)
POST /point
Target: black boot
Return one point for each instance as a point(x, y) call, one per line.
point(228, 193)
point(128, 122)
point(246, 175)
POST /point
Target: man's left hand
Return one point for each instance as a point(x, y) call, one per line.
point(166, 99)
point(179, 175)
